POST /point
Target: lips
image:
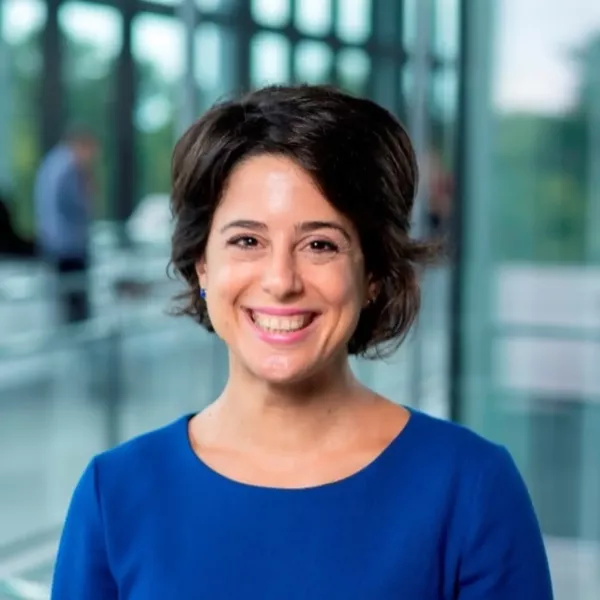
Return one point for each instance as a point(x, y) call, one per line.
point(281, 324)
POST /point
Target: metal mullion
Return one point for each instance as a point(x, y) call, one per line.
point(123, 118)
point(52, 113)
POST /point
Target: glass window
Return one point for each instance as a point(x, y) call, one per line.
point(409, 23)
point(353, 24)
point(353, 69)
point(531, 317)
point(442, 126)
point(269, 59)
point(158, 48)
point(93, 41)
point(210, 64)
point(271, 13)
point(210, 5)
point(314, 61)
point(22, 21)
point(446, 28)
point(313, 17)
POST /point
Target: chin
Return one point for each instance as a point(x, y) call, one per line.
point(278, 371)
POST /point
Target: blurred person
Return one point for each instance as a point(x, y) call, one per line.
point(292, 211)
point(63, 199)
point(12, 244)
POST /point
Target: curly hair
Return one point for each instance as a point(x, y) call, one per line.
point(360, 157)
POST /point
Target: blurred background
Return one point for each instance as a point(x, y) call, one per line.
point(502, 98)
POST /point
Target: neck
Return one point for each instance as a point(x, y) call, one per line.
point(288, 418)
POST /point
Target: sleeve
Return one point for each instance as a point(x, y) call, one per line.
point(69, 196)
point(82, 571)
point(503, 555)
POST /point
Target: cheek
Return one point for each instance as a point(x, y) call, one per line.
point(341, 287)
point(225, 282)
point(224, 275)
point(222, 279)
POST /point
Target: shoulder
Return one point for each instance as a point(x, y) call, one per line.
point(59, 159)
point(142, 462)
point(490, 529)
point(455, 440)
point(474, 483)
point(463, 460)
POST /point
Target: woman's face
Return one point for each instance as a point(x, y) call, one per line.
point(283, 272)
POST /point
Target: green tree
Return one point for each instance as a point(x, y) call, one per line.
point(90, 92)
point(543, 174)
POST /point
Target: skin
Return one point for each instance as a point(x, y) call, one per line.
point(291, 415)
point(85, 152)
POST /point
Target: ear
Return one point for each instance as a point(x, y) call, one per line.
point(371, 291)
point(201, 272)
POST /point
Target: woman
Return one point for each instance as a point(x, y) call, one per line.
point(292, 209)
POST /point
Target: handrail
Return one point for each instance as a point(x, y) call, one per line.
point(27, 344)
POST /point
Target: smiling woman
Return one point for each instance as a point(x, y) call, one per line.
point(304, 142)
point(292, 211)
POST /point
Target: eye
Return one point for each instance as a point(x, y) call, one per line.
point(244, 242)
point(323, 246)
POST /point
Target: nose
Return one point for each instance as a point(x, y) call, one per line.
point(280, 277)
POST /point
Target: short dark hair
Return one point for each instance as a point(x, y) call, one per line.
point(360, 157)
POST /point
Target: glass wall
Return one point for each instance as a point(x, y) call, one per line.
point(509, 150)
point(137, 74)
point(159, 53)
point(22, 22)
point(92, 42)
point(530, 321)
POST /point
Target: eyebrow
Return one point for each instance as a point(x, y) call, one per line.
point(310, 226)
point(304, 227)
point(244, 224)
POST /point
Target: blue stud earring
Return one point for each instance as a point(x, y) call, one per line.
point(203, 293)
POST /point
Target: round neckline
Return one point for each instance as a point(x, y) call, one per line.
point(400, 439)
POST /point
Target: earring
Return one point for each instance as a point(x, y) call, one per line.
point(203, 293)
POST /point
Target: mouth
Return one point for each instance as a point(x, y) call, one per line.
point(281, 325)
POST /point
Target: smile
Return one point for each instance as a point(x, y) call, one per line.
point(279, 324)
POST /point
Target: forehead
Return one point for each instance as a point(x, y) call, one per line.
point(269, 185)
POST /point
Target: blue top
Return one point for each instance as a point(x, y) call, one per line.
point(441, 514)
point(62, 206)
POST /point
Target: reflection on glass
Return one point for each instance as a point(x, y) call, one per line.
point(158, 49)
point(269, 59)
point(210, 42)
point(441, 149)
point(313, 62)
point(354, 20)
point(354, 68)
point(93, 35)
point(313, 17)
point(533, 272)
point(406, 84)
point(20, 18)
point(446, 28)
point(271, 13)
point(93, 40)
point(409, 22)
point(211, 5)
point(445, 93)
point(22, 21)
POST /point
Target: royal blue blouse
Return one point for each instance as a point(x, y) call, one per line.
point(441, 514)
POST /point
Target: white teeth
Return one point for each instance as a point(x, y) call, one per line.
point(281, 324)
